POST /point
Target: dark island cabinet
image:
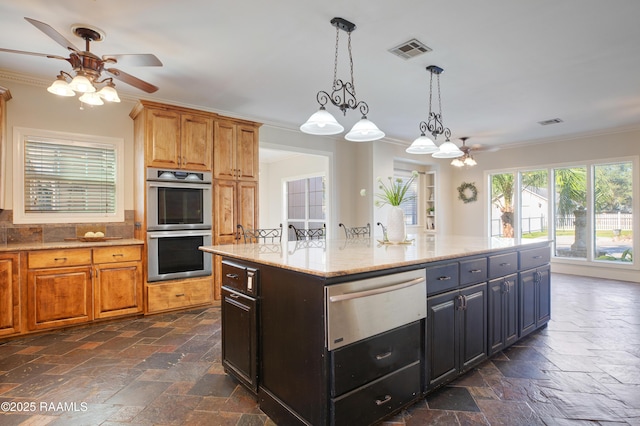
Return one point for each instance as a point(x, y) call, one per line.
point(503, 313)
point(535, 299)
point(456, 333)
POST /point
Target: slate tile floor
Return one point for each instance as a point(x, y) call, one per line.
point(583, 369)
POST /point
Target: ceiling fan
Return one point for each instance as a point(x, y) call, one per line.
point(88, 67)
point(467, 158)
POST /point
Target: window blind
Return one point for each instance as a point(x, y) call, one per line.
point(69, 177)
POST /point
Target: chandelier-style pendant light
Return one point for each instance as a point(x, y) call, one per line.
point(434, 125)
point(343, 96)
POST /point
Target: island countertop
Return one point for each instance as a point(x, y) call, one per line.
point(332, 258)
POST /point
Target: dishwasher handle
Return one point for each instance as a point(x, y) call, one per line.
point(366, 293)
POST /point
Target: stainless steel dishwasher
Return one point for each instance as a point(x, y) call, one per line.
point(360, 309)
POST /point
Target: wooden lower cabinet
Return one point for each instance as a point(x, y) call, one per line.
point(166, 296)
point(9, 294)
point(118, 281)
point(59, 297)
point(74, 286)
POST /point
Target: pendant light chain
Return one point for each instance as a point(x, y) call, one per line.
point(335, 61)
point(353, 86)
point(439, 99)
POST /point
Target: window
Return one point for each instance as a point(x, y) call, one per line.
point(591, 206)
point(64, 178)
point(409, 207)
point(306, 203)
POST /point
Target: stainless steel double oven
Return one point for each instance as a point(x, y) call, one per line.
point(178, 222)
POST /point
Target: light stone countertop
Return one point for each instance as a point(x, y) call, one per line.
point(68, 245)
point(332, 258)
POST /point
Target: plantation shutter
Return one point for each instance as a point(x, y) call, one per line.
point(69, 177)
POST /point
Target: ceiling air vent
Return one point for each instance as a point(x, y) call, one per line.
point(410, 49)
point(552, 121)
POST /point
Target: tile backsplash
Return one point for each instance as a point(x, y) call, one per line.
point(50, 233)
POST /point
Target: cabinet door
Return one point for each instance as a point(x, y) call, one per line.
point(527, 284)
point(225, 205)
point(511, 310)
point(118, 289)
point(248, 204)
point(196, 141)
point(239, 337)
point(224, 150)
point(442, 337)
point(247, 153)
point(496, 322)
point(163, 139)
point(473, 323)
point(59, 297)
point(543, 305)
point(9, 294)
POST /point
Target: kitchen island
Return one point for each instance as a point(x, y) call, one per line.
point(347, 332)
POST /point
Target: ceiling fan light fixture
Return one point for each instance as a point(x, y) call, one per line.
point(60, 87)
point(469, 161)
point(422, 145)
point(364, 131)
point(91, 98)
point(322, 122)
point(82, 84)
point(109, 93)
point(448, 150)
point(457, 162)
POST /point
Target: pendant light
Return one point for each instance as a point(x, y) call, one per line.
point(343, 95)
point(434, 125)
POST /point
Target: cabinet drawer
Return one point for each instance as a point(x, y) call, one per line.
point(58, 258)
point(162, 297)
point(442, 278)
point(239, 277)
point(379, 398)
point(533, 258)
point(503, 264)
point(116, 254)
point(357, 364)
point(473, 271)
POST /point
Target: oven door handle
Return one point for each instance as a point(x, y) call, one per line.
point(365, 293)
point(203, 186)
point(177, 234)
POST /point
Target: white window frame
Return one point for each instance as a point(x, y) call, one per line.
point(20, 134)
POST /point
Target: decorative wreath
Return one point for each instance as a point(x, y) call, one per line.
point(467, 192)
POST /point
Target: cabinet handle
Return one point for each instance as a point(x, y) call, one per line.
point(374, 291)
point(386, 399)
point(117, 254)
point(61, 259)
point(475, 271)
point(180, 295)
point(384, 355)
point(232, 276)
point(444, 278)
point(537, 257)
point(505, 264)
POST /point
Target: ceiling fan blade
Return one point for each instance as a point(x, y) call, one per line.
point(131, 80)
point(138, 60)
point(22, 52)
point(55, 35)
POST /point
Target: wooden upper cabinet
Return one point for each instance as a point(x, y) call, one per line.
point(163, 139)
point(235, 151)
point(196, 141)
point(177, 140)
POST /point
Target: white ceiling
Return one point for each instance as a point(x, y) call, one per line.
point(507, 64)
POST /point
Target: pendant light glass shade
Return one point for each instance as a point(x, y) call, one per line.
point(109, 94)
point(81, 84)
point(60, 87)
point(457, 162)
point(322, 123)
point(91, 98)
point(448, 150)
point(364, 131)
point(422, 145)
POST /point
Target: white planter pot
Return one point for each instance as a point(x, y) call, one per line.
point(396, 228)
